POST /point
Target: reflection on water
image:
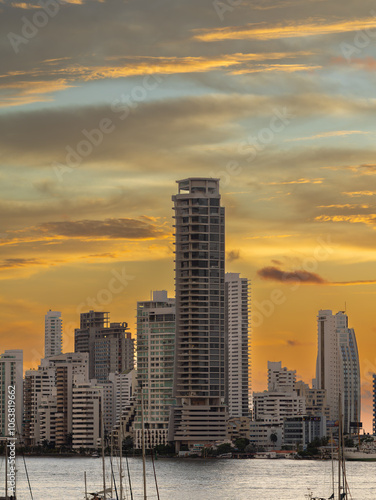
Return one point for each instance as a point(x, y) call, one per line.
point(190, 479)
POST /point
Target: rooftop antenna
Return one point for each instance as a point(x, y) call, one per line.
point(345, 306)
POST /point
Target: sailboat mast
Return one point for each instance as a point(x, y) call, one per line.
point(143, 442)
point(103, 461)
point(339, 445)
point(121, 458)
point(6, 469)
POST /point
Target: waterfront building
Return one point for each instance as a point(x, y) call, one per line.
point(238, 427)
point(301, 430)
point(87, 412)
point(53, 339)
point(39, 391)
point(155, 368)
point(11, 396)
point(266, 434)
point(200, 382)
point(109, 345)
point(337, 367)
point(237, 299)
point(124, 385)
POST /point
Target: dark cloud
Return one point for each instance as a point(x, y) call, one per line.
point(233, 255)
point(129, 229)
point(19, 262)
point(299, 276)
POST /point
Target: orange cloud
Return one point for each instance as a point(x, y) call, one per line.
point(369, 219)
point(261, 31)
point(299, 181)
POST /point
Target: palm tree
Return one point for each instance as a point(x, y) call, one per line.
point(273, 438)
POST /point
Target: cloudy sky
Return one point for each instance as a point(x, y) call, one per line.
point(105, 104)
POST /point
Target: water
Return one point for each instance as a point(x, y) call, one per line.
point(190, 479)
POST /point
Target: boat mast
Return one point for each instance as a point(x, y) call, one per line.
point(103, 462)
point(143, 443)
point(85, 485)
point(6, 468)
point(121, 458)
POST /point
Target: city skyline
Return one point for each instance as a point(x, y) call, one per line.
point(275, 99)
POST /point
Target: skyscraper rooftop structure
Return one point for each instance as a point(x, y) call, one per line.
point(200, 354)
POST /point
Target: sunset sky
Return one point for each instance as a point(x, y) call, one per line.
point(105, 104)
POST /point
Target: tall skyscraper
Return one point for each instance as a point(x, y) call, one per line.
point(337, 368)
point(110, 346)
point(238, 328)
point(11, 392)
point(200, 354)
point(155, 367)
point(52, 334)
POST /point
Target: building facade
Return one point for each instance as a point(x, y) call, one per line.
point(53, 340)
point(237, 295)
point(109, 345)
point(337, 367)
point(155, 368)
point(11, 387)
point(87, 414)
point(200, 382)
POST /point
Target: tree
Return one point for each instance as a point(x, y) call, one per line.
point(224, 448)
point(273, 438)
point(241, 443)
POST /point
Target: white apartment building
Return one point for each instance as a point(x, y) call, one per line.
point(11, 386)
point(275, 406)
point(281, 400)
point(124, 386)
point(155, 367)
point(86, 414)
point(53, 340)
point(280, 379)
point(237, 296)
point(337, 367)
point(53, 380)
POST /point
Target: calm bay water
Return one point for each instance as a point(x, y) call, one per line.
point(63, 479)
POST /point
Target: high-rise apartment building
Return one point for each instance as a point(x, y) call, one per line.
point(110, 346)
point(281, 400)
point(238, 329)
point(87, 414)
point(155, 368)
point(48, 397)
point(337, 367)
point(200, 382)
point(52, 334)
point(11, 392)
